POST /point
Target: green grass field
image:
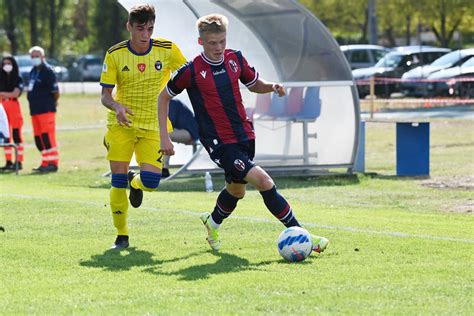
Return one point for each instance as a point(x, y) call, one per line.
point(398, 245)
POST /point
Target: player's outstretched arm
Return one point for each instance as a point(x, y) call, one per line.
point(263, 86)
point(120, 110)
point(166, 146)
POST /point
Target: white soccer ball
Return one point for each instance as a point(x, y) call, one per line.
point(295, 244)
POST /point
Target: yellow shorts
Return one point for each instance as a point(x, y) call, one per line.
point(121, 142)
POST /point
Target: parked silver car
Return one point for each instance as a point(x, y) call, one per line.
point(412, 87)
point(454, 81)
point(394, 65)
point(363, 56)
point(87, 68)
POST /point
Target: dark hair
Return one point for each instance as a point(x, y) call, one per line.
point(141, 14)
point(14, 74)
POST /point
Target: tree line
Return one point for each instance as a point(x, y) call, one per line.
point(74, 27)
point(405, 19)
point(62, 27)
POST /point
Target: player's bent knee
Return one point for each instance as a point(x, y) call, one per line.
point(264, 183)
point(150, 180)
point(238, 193)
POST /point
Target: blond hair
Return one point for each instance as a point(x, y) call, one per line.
point(212, 23)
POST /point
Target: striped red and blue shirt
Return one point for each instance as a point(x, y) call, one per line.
point(213, 88)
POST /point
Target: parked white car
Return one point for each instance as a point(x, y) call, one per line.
point(363, 56)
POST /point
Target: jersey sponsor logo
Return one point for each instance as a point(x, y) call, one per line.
point(233, 65)
point(141, 67)
point(158, 65)
point(219, 72)
point(118, 212)
point(239, 165)
point(104, 67)
point(125, 68)
point(203, 74)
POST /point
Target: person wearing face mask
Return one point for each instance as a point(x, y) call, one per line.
point(11, 87)
point(43, 95)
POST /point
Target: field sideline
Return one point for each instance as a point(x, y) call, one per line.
point(398, 245)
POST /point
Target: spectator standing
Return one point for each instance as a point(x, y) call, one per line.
point(43, 95)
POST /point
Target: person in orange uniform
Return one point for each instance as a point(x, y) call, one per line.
point(43, 95)
point(11, 87)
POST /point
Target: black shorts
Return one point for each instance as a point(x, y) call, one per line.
point(235, 159)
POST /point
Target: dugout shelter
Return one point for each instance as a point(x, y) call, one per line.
point(316, 126)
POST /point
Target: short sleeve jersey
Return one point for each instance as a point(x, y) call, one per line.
point(41, 88)
point(8, 83)
point(140, 77)
point(213, 88)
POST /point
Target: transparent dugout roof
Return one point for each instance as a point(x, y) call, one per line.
point(300, 46)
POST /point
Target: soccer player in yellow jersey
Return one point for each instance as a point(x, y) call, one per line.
point(138, 68)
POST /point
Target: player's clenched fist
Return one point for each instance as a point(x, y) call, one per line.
point(167, 147)
point(278, 89)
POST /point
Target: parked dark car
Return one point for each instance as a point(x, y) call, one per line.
point(25, 64)
point(86, 68)
point(447, 82)
point(363, 56)
point(411, 87)
point(394, 65)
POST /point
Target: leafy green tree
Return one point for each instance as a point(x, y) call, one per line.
point(396, 19)
point(445, 17)
point(56, 18)
point(10, 11)
point(345, 19)
point(108, 25)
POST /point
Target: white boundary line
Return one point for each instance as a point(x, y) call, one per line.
point(254, 219)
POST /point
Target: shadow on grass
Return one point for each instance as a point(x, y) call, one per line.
point(226, 263)
point(124, 260)
point(373, 175)
point(196, 184)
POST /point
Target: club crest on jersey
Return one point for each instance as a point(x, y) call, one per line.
point(141, 67)
point(203, 74)
point(233, 65)
point(158, 65)
point(239, 165)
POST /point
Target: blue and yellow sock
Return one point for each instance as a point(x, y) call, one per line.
point(146, 181)
point(119, 203)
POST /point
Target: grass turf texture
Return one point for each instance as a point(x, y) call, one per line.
point(397, 245)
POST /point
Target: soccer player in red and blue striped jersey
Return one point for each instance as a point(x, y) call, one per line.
point(212, 82)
